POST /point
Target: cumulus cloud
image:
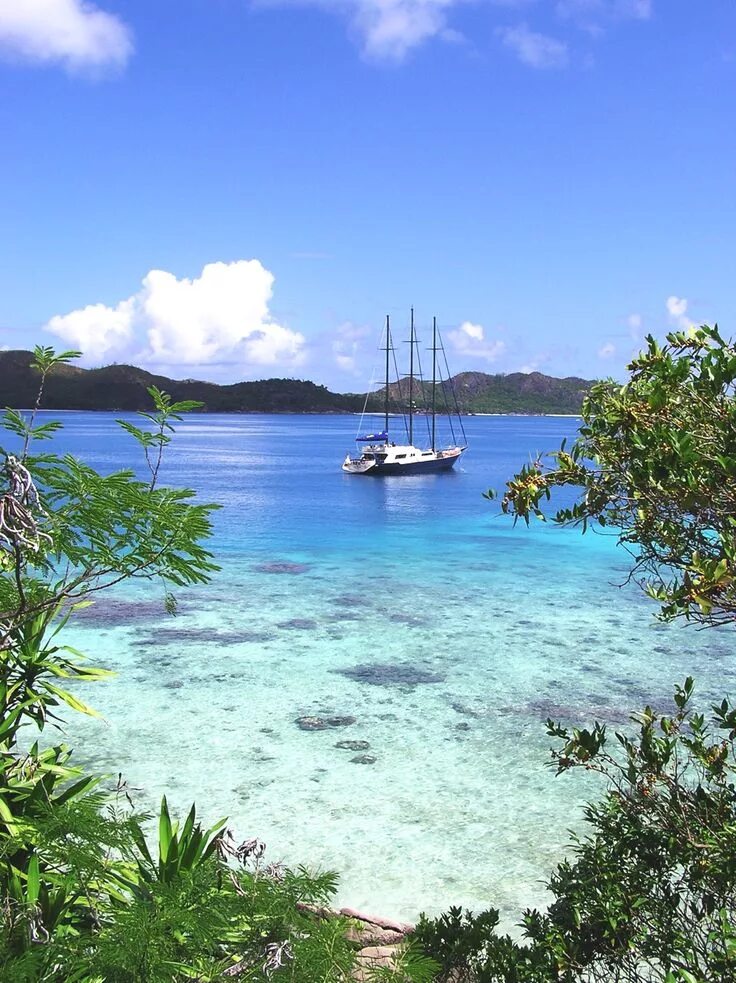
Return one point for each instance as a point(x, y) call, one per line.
point(220, 316)
point(469, 340)
point(534, 49)
point(607, 350)
point(96, 330)
point(74, 33)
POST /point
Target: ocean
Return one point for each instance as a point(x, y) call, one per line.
point(409, 604)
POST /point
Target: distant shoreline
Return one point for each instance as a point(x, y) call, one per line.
point(119, 388)
point(204, 412)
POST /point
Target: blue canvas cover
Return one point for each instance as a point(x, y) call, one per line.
point(374, 437)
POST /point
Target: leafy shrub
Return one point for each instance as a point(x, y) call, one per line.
point(650, 893)
point(83, 897)
point(655, 461)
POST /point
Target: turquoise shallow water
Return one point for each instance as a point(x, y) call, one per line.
point(407, 603)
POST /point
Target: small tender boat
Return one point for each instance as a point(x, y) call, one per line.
point(378, 454)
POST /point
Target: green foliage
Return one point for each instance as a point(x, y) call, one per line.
point(650, 893)
point(166, 414)
point(179, 851)
point(459, 940)
point(84, 897)
point(655, 460)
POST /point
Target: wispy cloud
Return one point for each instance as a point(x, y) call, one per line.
point(607, 351)
point(347, 346)
point(388, 30)
point(595, 16)
point(74, 33)
point(638, 9)
point(534, 49)
point(220, 316)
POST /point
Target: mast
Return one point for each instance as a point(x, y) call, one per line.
point(411, 380)
point(388, 349)
point(434, 376)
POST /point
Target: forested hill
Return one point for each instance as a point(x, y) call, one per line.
point(519, 392)
point(124, 387)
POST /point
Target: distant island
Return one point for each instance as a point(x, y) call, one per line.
point(123, 387)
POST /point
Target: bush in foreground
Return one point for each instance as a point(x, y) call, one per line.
point(650, 893)
point(84, 898)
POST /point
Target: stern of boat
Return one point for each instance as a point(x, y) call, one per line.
point(353, 465)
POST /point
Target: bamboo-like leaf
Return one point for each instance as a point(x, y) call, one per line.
point(33, 880)
point(140, 842)
point(6, 815)
point(71, 700)
point(77, 789)
point(164, 831)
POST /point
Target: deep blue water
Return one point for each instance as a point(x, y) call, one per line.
point(408, 603)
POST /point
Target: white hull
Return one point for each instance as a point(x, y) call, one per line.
point(387, 459)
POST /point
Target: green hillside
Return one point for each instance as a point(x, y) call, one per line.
point(124, 387)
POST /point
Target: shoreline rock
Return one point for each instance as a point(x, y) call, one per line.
point(377, 939)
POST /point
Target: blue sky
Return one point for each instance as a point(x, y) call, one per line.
point(228, 189)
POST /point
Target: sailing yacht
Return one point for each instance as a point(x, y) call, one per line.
point(380, 455)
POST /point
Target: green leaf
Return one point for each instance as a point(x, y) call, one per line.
point(70, 700)
point(33, 881)
point(165, 831)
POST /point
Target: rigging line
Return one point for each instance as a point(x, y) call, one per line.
point(398, 385)
point(439, 381)
point(423, 390)
point(434, 383)
point(443, 386)
point(368, 394)
point(411, 380)
point(447, 405)
point(454, 394)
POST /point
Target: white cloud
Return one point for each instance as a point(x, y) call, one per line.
point(474, 331)
point(607, 350)
point(676, 306)
point(74, 32)
point(96, 330)
point(389, 29)
point(220, 316)
point(534, 49)
point(469, 340)
point(677, 312)
point(346, 346)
